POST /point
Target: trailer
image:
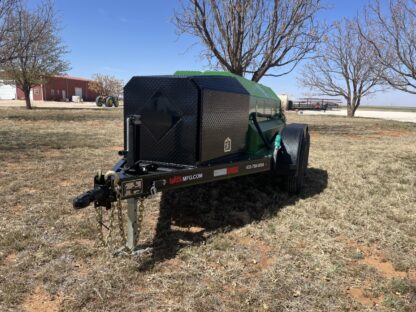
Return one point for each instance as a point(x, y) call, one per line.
point(193, 128)
point(314, 104)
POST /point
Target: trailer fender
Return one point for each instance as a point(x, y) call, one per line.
point(287, 159)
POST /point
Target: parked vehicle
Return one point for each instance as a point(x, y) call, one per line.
point(107, 101)
point(314, 104)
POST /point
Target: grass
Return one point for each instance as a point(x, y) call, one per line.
point(347, 242)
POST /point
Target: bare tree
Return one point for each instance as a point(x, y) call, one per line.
point(39, 51)
point(258, 37)
point(345, 66)
point(106, 85)
point(393, 38)
point(7, 7)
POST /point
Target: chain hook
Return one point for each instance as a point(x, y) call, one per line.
point(153, 190)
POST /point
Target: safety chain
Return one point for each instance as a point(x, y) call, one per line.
point(118, 206)
point(100, 225)
point(140, 214)
point(100, 216)
point(120, 216)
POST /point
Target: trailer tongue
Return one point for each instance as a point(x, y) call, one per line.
point(193, 128)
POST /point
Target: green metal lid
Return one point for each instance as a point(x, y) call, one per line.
point(254, 88)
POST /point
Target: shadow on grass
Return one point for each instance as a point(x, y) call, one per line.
point(221, 207)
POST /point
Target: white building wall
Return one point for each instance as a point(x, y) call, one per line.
point(7, 90)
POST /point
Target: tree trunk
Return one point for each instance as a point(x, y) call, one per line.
point(356, 105)
point(350, 110)
point(26, 91)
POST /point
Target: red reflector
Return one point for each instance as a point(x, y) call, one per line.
point(232, 170)
point(175, 180)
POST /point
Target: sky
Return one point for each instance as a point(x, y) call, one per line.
point(137, 37)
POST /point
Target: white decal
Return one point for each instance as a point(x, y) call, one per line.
point(255, 166)
point(192, 177)
point(227, 145)
point(220, 172)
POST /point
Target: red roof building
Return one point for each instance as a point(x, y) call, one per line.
point(61, 88)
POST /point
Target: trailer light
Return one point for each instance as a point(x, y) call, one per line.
point(232, 170)
point(175, 180)
point(226, 171)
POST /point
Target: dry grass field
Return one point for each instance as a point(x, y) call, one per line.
point(347, 242)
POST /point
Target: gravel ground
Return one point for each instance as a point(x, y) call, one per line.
point(389, 115)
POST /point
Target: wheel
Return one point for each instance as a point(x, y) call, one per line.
point(98, 101)
point(109, 101)
point(115, 101)
point(294, 182)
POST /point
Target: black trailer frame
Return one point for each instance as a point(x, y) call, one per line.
point(162, 177)
point(138, 179)
point(141, 179)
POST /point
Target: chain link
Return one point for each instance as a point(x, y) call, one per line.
point(120, 217)
point(99, 217)
point(104, 241)
point(140, 214)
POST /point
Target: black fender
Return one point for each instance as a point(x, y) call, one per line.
point(287, 159)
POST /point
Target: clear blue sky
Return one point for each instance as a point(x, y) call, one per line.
point(126, 38)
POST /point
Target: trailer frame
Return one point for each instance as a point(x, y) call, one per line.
point(162, 177)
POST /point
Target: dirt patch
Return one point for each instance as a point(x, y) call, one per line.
point(67, 183)
point(29, 190)
point(10, 259)
point(52, 153)
point(384, 267)
point(11, 167)
point(412, 275)
point(394, 133)
point(314, 135)
point(264, 259)
point(374, 258)
point(81, 268)
point(115, 148)
point(41, 301)
point(361, 295)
